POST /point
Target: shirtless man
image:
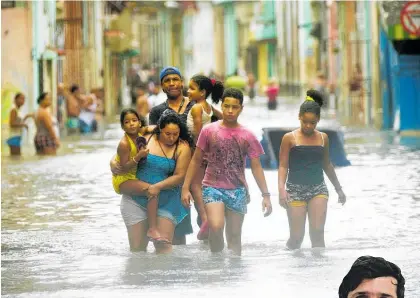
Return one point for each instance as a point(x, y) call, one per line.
point(72, 108)
point(142, 103)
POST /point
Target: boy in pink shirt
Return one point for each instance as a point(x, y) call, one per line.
point(226, 145)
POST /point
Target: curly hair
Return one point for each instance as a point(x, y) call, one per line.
point(235, 93)
point(368, 267)
point(313, 105)
point(171, 117)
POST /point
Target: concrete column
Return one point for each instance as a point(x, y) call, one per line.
point(377, 111)
point(231, 39)
point(36, 13)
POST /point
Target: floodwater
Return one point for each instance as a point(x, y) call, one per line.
point(63, 236)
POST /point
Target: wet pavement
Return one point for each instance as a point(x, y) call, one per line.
point(63, 236)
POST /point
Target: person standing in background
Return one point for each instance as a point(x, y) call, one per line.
point(16, 123)
point(46, 137)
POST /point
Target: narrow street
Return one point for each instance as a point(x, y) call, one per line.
point(63, 235)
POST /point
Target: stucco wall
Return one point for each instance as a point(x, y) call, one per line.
point(16, 63)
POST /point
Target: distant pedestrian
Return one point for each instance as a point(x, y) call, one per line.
point(304, 155)
point(16, 124)
point(46, 137)
point(142, 103)
point(251, 86)
point(272, 91)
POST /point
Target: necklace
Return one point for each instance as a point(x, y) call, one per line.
point(170, 171)
point(182, 104)
point(162, 148)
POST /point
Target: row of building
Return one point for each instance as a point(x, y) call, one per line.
point(365, 53)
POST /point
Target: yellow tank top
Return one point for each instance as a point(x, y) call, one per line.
point(133, 152)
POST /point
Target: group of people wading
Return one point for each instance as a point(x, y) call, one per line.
point(192, 153)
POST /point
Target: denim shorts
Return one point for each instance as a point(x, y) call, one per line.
point(234, 199)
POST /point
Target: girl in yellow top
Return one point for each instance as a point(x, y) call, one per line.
point(131, 150)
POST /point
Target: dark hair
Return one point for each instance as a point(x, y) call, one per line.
point(130, 111)
point(313, 105)
point(235, 93)
point(74, 87)
point(41, 97)
point(206, 84)
point(171, 117)
point(368, 267)
point(19, 94)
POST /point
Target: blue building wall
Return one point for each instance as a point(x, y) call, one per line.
point(385, 79)
point(406, 73)
point(400, 87)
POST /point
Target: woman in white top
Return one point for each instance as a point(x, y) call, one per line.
point(16, 123)
point(199, 89)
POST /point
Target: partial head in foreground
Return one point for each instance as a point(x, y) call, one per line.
point(371, 277)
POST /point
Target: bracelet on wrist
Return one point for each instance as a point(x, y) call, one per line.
point(265, 194)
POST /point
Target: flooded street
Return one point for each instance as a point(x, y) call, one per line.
point(63, 235)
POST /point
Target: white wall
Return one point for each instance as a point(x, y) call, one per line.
point(203, 42)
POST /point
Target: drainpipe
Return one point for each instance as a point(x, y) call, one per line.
point(35, 54)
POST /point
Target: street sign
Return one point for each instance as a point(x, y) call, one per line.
point(410, 17)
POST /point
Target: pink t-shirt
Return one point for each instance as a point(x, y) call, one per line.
point(226, 150)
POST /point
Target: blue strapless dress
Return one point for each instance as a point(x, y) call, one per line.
point(156, 169)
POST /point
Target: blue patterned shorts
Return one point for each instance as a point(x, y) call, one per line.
point(234, 199)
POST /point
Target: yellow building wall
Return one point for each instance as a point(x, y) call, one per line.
point(16, 63)
point(263, 65)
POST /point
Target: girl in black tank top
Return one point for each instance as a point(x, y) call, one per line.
point(304, 157)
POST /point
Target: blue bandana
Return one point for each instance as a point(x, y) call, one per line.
point(169, 70)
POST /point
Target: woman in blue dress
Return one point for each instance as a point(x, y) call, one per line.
point(162, 174)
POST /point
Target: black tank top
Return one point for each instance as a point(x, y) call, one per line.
point(306, 164)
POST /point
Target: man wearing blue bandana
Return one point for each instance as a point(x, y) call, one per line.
point(172, 84)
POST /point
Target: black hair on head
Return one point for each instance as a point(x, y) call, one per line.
point(74, 88)
point(368, 267)
point(312, 103)
point(171, 117)
point(19, 94)
point(235, 93)
point(130, 111)
point(41, 97)
point(213, 87)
